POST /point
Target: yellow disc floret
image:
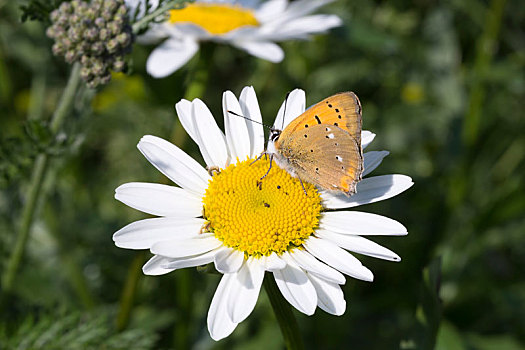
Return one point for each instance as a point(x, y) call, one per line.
point(215, 18)
point(256, 216)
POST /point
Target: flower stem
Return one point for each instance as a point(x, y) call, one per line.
point(283, 313)
point(142, 22)
point(130, 288)
point(35, 186)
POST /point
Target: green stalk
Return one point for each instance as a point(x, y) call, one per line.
point(485, 50)
point(169, 5)
point(130, 290)
point(35, 186)
point(283, 313)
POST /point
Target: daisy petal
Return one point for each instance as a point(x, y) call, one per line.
point(245, 290)
point(183, 108)
point(369, 190)
point(303, 26)
point(212, 142)
point(273, 263)
point(372, 160)
point(160, 200)
point(270, 10)
point(366, 138)
point(296, 288)
point(229, 260)
point(250, 109)
point(266, 50)
point(358, 245)
point(191, 261)
point(295, 104)
point(178, 166)
point(338, 258)
point(170, 56)
point(237, 135)
point(154, 266)
point(143, 234)
point(186, 247)
point(219, 322)
point(359, 223)
point(330, 297)
point(307, 262)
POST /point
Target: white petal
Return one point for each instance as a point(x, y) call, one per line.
point(295, 104)
point(338, 258)
point(266, 50)
point(359, 245)
point(229, 260)
point(273, 262)
point(144, 233)
point(366, 138)
point(302, 7)
point(245, 290)
point(193, 260)
point(219, 322)
point(183, 108)
point(170, 56)
point(369, 190)
point(296, 288)
point(301, 27)
point(154, 266)
point(306, 261)
point(330, 297)
point(212, 142)
point(250, 109)
point(372, 160)
point(270, 9)
point(158, 199)
point(175, 164)
point(237, 135)
point(359, 223)
point(185, 247)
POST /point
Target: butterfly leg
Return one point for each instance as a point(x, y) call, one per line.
point(271, 161)
point(301, 181)
point(258, 158)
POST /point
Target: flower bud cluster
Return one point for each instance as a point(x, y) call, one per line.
point(96, 34)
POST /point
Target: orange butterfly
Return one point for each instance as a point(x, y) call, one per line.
point(323, 145)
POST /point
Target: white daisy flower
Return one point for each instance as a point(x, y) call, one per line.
point(246, 226)
point(246, 24)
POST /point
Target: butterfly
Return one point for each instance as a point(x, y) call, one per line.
point(322, 146)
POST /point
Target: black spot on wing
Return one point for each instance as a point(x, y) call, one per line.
point(318, 120)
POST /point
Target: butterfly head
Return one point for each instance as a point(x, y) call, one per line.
point(274, 134)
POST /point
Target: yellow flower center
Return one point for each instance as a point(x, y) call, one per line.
point(256, 216)
point(215, 18)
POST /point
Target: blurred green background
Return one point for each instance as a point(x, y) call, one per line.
point(441, 84)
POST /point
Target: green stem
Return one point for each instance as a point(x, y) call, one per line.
point(283, 313)
point(130, 289)
point(485, 49)
point(35, 186)
point(139, 24)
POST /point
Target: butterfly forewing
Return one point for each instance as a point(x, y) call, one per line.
point(342, 110)
point(325, 155)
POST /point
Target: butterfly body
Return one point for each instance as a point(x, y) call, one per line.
point(323, 145)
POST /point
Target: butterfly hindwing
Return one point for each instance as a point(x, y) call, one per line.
point(324, 155)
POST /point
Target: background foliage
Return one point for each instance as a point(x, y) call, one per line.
point(441, 83)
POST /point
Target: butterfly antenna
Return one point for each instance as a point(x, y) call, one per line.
point(253, 121)
point(284, 112)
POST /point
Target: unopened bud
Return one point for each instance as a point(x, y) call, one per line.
point(119, 65)
point(91, 34)
point(99, 22)
point(112, 46)
point(97, 48)
point(70, 56)
point(124, 39)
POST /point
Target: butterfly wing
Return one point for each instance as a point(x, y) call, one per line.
point(323, 145)
point(326, 156)
point(342, 110)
